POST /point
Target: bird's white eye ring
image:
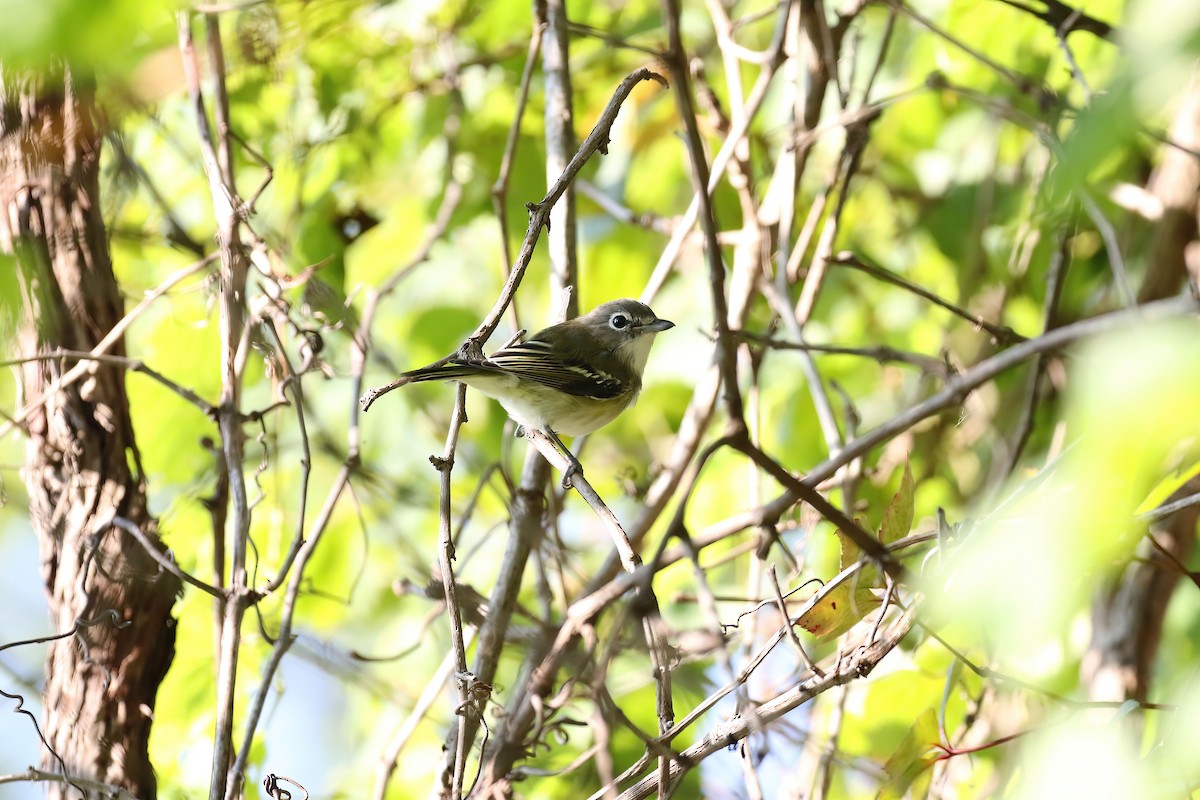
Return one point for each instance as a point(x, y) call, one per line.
point(619, 321)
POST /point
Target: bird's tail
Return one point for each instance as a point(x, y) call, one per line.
point(450, 371)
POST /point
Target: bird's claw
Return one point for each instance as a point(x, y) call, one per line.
point(573, 469)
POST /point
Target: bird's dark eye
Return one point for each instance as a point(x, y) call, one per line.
point(619, 321)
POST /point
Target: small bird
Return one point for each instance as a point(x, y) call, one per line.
point(571, 378)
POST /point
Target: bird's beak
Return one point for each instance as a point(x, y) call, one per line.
point(657, 326)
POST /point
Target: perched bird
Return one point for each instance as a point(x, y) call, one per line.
point(570, 378)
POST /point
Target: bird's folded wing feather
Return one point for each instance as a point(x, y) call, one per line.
point(535, 361)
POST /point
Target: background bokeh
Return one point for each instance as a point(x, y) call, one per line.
point(977, 182)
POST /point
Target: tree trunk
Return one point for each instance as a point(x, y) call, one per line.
point(1127, 616)
point(82, 467)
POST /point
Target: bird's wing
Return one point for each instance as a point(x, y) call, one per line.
point(535, 361)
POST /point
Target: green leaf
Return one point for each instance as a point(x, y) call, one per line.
point(908, 768)
point(83, 33)
point(869, 574)
point(851, 552)
point(897, 519)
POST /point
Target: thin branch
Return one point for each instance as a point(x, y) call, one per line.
point(500, 187)
point(629, 559)
point(1054, 283)
point(720, 161)
point(884, 44)
point(1116, 261)
point(1167, 509)
point(614, 209)
point(105, 344)
point(234, 331)
point(881, 353)
point(216, 58)
point(294, 382)
point(559, 137)
point(677, 61)
point(33, 775)
point(961, 385)
point(1001, 333)
point(1069, 54)
point(792, 635)
point(539, 215)
point(855, 532)
point(444, 465)
point(1065, 19)
point(1176, 564)
point(131, 364)
point(724, 734)
point(161, 558)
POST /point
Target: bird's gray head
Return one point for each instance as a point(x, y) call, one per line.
point(626, 328)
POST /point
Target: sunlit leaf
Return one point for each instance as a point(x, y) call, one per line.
point(839, 611)
point(897, 519)
point(1168, 486)
point(908, 768)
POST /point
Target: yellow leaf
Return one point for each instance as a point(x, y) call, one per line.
point(839, 610)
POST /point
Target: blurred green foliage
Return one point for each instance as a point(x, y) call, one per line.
point(968, 187)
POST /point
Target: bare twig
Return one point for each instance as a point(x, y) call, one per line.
point(444, 465)
point(131, 364)
point(724, 734)
point(881, 353)
point(1001, 333)
point(1054, 283)
point(629, 559)
point(233, 333)
point(539, 215)
point(721, 160)
point(1167, 509)
point(33, 775)
point(1176, 564)
point(500, 187)
point(787, 619)
point(622, 214)
point(433, 689)
point(1116, 261)
point(559, 118)
point(677, 60)
point(166, 563)
point(1064, 19)
point(105, 344)
point(293, 381)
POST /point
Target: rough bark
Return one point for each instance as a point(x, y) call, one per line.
point(1127, 616)
point(1176, 184)
point(82, 469)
